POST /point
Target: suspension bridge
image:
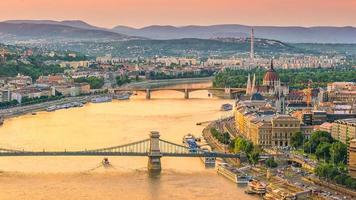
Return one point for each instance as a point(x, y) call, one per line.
point(154, 148)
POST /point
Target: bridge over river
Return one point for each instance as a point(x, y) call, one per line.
point(230, 91)
point(154, 148)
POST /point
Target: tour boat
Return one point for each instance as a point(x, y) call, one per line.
point(233, 174)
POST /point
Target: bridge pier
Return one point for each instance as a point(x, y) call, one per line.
point(154, 155)
point(148, 94)
point(186, 94)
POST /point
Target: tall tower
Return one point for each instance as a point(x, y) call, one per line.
point(252, 53)
point(248, 85)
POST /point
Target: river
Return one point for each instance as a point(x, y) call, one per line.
point(111, 124)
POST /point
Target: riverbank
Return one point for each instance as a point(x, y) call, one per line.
point(22, 110)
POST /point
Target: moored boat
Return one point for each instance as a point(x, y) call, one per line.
point(233, 173)
point(256, 187)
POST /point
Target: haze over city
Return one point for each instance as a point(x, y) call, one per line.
point(140, 13)
point(178, 99)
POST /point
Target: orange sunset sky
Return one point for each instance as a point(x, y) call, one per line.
point(139, 13)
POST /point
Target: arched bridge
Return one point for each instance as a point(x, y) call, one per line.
point(186, 91)
point(154, 148)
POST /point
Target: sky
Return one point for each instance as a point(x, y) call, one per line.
point(140, 13)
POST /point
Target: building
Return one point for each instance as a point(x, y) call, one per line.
point(5, 95)
point(344, 130)
point(271, 84)
point(352, 158)
point(257, 121)
point(74, 64)
point(326, 126)
point(20, 81)
point(30, 92)
point(52, 79)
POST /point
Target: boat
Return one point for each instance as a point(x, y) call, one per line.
point(256, 187)
point(190, 137)
point(33, 113)
point(226, 107)
point(101, 99)
point(1, 120)
point(233, 174)
point(122, 96)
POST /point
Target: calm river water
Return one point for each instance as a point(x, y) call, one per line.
point(104, 125)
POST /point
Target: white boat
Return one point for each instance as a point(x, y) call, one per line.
point(233, 173)
point(101, 99)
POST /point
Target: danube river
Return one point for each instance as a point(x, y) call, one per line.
point(111, 124)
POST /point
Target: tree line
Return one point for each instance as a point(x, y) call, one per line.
point(295, 78)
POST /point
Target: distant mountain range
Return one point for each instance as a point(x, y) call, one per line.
point(286, 34)
point(53, 30)
point(79, 30)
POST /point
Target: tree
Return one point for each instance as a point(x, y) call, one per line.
point(244, 145)
point(338, 153)
point(94, 82)
point(323, 151)
point(253, 157)
point(271, 163)
point(297, 139)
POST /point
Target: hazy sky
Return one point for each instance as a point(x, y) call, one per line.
point(139, 13)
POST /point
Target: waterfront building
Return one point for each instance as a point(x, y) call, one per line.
point(344, 130)
point(352, 158)
point(257, 121)
point(30, 92)
point(271, 84)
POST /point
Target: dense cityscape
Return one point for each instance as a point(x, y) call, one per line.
point(248, 112)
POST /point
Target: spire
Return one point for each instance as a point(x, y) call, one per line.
point(272, 63)
point(253, 84)
point(248, 85)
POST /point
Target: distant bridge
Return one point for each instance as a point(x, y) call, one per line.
point(154, 148)
point(186, 91)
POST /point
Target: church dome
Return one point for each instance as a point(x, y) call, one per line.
point(271, 77)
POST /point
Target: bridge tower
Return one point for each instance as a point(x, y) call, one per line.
point(186, 93)
point(148, 94)
point(154, 154)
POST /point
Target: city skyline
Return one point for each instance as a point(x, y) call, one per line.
point(141, 13)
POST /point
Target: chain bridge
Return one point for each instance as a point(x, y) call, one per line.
point(154, 148)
